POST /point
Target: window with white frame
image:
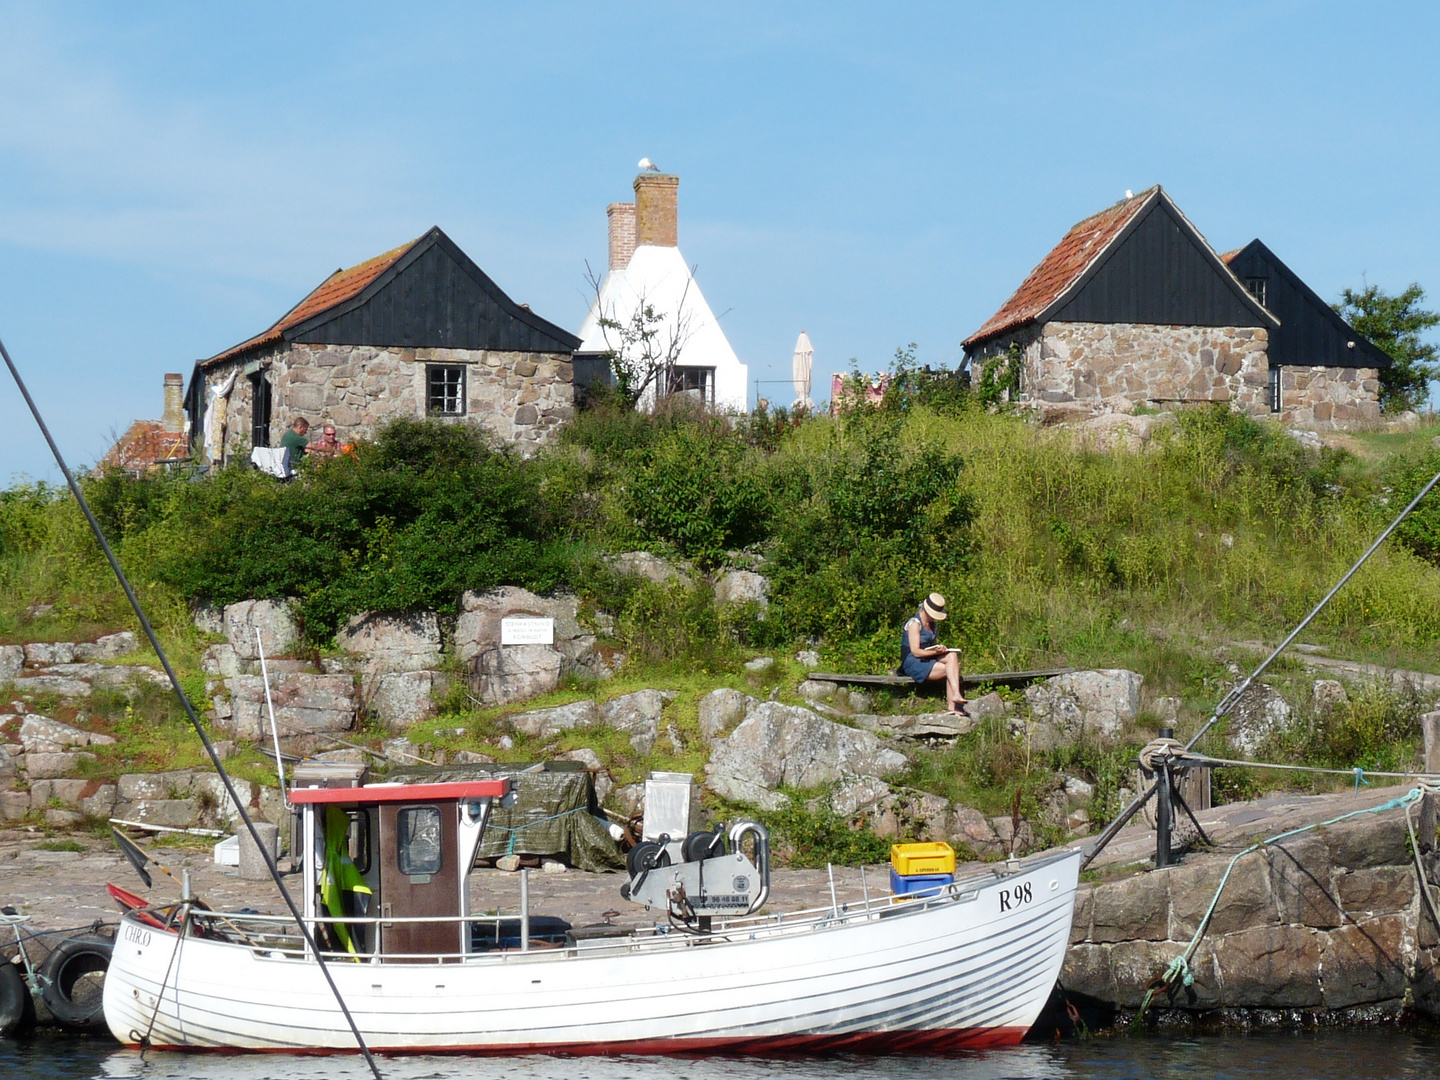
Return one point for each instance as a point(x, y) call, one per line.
point(699, 381)
point(445, 389)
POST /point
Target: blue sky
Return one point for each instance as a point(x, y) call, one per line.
point(173, 177)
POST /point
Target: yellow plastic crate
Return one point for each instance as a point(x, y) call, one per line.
point(909, 859)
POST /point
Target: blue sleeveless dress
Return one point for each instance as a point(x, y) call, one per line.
point(917, 667)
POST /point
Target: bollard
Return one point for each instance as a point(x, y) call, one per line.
point(252, 863)
point(1163, 810)
point(1430, 729)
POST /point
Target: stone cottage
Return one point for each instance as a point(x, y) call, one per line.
point(1133, 306)
point(418, 331)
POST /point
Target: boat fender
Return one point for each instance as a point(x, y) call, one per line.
point(17, 1011)
point(61, 973)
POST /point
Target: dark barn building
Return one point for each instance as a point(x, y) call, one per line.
point(1321, 370)
point(418, 331)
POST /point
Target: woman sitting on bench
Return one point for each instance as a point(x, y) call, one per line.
point(923, 659)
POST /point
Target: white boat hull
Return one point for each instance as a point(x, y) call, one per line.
point(971, 969)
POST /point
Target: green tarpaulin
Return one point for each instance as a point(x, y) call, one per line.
point(555, 812)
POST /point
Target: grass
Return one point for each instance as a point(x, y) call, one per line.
point(1222, 529)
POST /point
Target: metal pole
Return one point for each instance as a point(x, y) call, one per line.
point(185, 702)
point(1163, 813)
point(524, 909)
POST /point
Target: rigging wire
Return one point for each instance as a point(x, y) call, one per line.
point(188, 707)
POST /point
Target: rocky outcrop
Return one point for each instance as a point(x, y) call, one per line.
point(1326, 920)
point(503, 674)
point(918, 725)
point(743, 587)
point(272, 618)
point(389, 643)
point(1093, 703)
point(648, 566)
point(402, 698)
point(179, 800)
point(1260, 713)
point(305, 705)
point(638, 715)
point(720, 710)
point(784, 745)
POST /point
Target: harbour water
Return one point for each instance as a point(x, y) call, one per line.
point(1371, 1055)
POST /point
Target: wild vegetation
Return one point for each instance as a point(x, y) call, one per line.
point(1221, 529)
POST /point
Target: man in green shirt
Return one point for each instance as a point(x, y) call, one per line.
point(295, 441)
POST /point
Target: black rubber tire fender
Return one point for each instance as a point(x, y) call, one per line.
point(17, 1011)
point(700, 846)
point(72, 960)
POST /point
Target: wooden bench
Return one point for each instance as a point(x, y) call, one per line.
point(1000, 678)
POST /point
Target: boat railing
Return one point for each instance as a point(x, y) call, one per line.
point(276, 934)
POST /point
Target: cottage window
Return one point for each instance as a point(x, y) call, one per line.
point(1256, 285)
point(1275, 388)
point(418, 850)
point(445, 389)
point(696, 380)
point(260, 401)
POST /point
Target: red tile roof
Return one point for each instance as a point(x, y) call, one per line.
point(1229, 255)
point(1063, 267)
point(143, 445)
point(339, 287)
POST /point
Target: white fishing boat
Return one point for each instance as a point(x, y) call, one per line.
point(970, 965)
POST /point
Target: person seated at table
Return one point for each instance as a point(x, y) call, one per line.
point(327, 446)
point(295, 441)
point(924, 659)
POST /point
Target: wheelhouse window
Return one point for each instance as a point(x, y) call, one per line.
point(260, 401)
point(1275, 388)
point(699, 381)
point(445, 389)
point(1256, 285)
point(418, 850)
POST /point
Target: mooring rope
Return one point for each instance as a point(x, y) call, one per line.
point(1179, 969)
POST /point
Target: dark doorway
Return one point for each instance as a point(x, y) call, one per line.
point(260, 398)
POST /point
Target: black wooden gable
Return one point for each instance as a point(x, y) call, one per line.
point(1310, 333)
point(1160, 271)
point(434, 296)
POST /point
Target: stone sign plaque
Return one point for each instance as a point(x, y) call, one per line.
point(526, 630)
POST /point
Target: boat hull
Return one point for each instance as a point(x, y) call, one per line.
point(971, 970)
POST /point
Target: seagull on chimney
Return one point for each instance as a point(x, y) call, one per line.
point(647, 164)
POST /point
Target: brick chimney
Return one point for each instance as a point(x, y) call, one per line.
point(174, 419)
point(621, 216)
point(655, 199)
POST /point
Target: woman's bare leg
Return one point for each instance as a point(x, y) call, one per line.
point(948, 669)
point(952, 681)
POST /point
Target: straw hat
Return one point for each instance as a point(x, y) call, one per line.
point(934, 606)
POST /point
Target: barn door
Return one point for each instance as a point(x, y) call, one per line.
point(419, 878)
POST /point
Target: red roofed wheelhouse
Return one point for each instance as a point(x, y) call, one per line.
point(417, 331)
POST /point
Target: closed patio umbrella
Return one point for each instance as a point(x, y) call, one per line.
point(804, 362)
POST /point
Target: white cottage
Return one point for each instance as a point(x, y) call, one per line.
point(646, 268)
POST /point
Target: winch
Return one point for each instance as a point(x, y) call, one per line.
point(715, 876)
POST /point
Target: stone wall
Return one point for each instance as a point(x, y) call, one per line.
point(1327, 920)
point(1328, 398)
point(521, 397)
point(1161, 364)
